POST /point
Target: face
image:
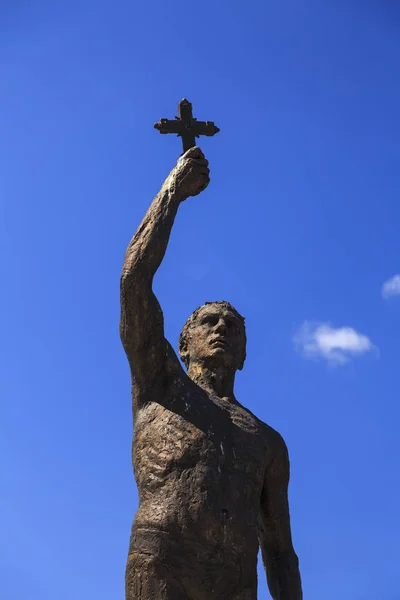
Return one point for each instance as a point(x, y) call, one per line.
point(217, 338)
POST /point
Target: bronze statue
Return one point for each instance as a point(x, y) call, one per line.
point(212, 478)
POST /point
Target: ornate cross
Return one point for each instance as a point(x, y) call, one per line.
point(186, 126)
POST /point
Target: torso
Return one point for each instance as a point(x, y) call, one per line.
point(199, 464)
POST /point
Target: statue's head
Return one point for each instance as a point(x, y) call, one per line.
point(214, 336)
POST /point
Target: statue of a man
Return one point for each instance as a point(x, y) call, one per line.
point(212, 478)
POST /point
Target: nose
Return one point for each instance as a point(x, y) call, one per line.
point(221, 326)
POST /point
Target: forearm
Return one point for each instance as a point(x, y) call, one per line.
point(147, 247)
point(283, 576)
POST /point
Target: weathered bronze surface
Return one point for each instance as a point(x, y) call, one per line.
point(212, 478)
point(186, 126)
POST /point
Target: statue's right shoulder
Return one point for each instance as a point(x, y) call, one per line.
point(157, 378)
point(173, 365)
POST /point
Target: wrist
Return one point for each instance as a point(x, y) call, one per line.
point(173, 191)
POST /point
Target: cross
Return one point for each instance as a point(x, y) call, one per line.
point(186, 126)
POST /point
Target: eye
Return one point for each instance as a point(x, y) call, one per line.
point(231, 324)
point(210, 320)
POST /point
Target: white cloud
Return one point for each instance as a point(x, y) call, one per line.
point(336, 345)
point(391, 287)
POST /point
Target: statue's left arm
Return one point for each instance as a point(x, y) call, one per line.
point(280, 560)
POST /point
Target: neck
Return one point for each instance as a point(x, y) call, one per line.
point(214, 381)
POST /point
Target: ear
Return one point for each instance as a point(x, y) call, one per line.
point(243, 357)
point(184, 353)
point(240, 367)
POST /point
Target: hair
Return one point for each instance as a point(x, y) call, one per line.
point(185, 333)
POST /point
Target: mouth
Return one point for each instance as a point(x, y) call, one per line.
point(219, 343)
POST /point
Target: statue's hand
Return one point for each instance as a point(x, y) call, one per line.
point(191, 174)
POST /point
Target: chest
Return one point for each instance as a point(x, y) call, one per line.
point(194, 430)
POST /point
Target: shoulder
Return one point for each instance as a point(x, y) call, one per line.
point(159, 383)
point(273, 437)
point(273, 440)
point(277, 448)
point(174, 370)
point(156, 367)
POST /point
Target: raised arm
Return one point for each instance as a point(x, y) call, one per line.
point(279, 558)
point(142, 325)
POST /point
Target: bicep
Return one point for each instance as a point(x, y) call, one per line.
point(275, 533)
point(142, 330)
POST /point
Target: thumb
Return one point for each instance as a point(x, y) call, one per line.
point(193, 152)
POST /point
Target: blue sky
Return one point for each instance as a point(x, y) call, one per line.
point(299, 229)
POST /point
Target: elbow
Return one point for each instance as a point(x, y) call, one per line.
point(133, 274)
point(283, 575)
point(128, 274)
point(280, 559)
point(132, 266)
point(136, 268)
point(288, 558)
